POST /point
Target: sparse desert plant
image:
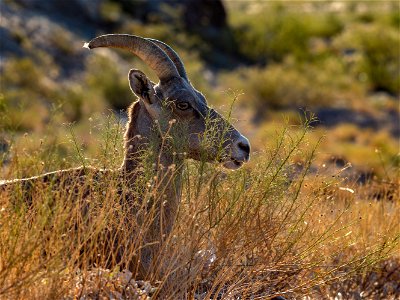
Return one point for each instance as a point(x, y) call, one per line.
point(269, 229)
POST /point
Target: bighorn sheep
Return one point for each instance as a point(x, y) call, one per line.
point(173, 99)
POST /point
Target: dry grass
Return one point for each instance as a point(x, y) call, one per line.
point(272, 228)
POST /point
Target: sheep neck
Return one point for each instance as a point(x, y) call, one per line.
point(140, 128)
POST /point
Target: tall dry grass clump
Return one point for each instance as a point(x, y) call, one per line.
point(276, 227)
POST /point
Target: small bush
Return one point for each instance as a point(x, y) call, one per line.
point(110, 11)
point(63, 42)
point(378, 58)
point(30, 91)
point(105, 79)
point(381, 63)
point(292, 85)
point(275, 32)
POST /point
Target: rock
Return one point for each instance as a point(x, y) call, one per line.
point(79, 9)
point(333, 116)
point(24, 32)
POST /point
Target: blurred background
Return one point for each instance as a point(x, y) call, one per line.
point(337, 59)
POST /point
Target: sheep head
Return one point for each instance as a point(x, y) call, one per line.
point(210, 137)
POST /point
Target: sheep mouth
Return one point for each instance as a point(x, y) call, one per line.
point(232, 164)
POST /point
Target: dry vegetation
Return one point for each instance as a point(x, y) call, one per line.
point(272, 228)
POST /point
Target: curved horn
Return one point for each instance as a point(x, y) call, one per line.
point(152, 55)
point(173, 56)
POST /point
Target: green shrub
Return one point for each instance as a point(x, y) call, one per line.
point(111, 83)
point(395, 17)
point(381, 63)
point(110, 11)
point(22, 95)
point(72, 98)
point(275, 32)
point(63, 41)
point(294, 85)
point(21, 73)
point(378, 57)
point(30, 92)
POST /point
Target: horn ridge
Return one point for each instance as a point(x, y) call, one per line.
point(147, 51)
point(173, 56)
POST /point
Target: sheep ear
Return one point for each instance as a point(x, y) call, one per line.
point(142, 86)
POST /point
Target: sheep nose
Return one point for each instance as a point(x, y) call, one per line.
point(244, 146)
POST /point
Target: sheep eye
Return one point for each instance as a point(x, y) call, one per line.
point(183, 105)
